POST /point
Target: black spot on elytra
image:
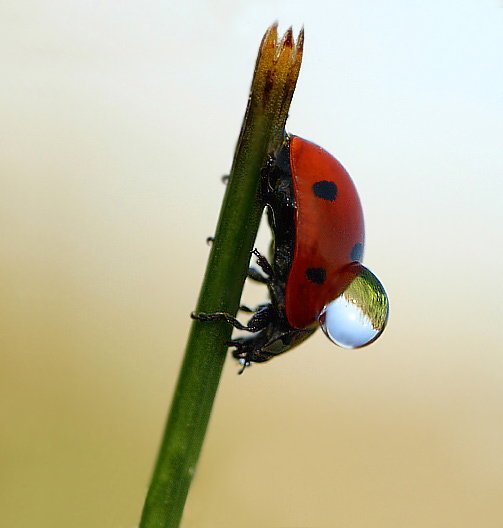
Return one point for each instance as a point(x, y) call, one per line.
point(326, 190)
point(357, 252)
point(316, 275)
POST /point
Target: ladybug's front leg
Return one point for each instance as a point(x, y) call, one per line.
point(258, 321)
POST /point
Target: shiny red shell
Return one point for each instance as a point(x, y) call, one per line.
point(329, 232)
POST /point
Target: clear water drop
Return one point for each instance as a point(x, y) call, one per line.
point(359, 315)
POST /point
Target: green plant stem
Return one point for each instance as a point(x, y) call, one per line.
point(223, 283)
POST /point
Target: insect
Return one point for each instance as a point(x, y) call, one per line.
point(315, 277)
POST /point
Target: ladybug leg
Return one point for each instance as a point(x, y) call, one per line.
point(247, 309)
point(218, 316)
point(271, 281)
point(255, 275)
point(261, 318)
point(258, 321)
point(263, 263)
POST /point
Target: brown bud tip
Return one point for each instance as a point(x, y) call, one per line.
point(288, 38)
point(300, 40)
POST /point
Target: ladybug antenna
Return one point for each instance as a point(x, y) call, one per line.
point(245, 364)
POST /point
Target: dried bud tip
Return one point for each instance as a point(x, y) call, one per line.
point(288, 38)
point(300, 39)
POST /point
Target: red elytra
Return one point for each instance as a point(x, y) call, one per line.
point(330, 232)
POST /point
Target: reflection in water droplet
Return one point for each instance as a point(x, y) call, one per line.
point(359, 315)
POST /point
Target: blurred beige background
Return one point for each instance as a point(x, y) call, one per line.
point(117, 121)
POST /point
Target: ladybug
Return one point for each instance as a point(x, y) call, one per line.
point(315, 277)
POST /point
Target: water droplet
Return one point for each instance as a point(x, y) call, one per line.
point(359, 315)
point(210, 240)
